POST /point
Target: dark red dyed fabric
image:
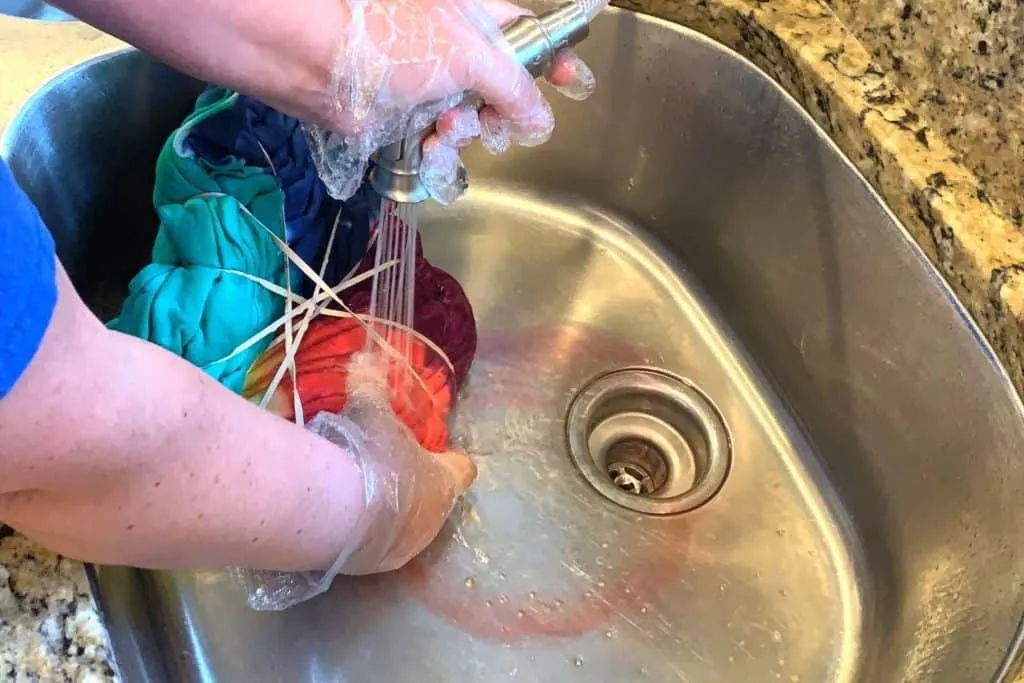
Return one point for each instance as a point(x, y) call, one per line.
point(441, 313)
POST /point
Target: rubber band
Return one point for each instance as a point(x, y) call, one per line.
point(381, 342)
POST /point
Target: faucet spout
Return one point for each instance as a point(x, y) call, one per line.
point(534, 40)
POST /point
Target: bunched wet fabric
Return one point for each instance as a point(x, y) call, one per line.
point(234, 183)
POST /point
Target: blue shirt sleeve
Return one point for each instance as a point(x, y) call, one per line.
point(28, 280)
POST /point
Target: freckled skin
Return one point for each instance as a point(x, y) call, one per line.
point(103, 472)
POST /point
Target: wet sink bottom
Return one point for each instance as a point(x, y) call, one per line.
point(538, 573)
point(758, 577)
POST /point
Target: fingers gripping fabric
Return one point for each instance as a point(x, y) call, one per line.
point(402, 486)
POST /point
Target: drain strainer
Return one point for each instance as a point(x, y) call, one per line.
point(649, 441)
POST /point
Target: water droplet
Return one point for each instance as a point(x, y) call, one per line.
point(777, 636)
point(533, 595)
point(577, 661)
point(488, 603)
point(722, 588)
point(609, 634)
point(643, 610)
point(731, 658)
point(600, 584)
point(470, 582)
point(502, 599)
point(521, 613)
point(783, 592)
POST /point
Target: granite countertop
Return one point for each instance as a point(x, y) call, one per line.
point(958, 63)
point(895, 84)
point(50, 627)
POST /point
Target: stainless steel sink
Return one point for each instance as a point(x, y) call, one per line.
point(731, 424)
point(33, 9)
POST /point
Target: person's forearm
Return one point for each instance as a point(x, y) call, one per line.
point(116, 451)
point(231, 43)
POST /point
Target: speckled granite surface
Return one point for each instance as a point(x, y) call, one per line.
point(50, 629)
point(960, 64)
point(940, 154)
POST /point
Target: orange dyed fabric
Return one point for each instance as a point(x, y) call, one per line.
point(321, 377)
point(441, 313)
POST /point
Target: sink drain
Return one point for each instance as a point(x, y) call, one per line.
point(649, 441)
point(637, 466)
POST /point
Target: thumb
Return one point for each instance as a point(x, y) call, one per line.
point(461, 467)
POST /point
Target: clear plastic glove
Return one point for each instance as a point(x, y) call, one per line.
point(409, 492)
point(404, 63)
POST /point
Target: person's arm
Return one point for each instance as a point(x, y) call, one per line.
point(357, 69)
point(283, 53)
point(113, 450)
point(279, 52)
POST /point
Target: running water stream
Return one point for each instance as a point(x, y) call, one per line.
point(392, 294)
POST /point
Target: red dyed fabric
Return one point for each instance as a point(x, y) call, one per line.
point(442, 312)
point(321, 378)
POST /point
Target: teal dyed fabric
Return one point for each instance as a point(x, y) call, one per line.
point(184, 300)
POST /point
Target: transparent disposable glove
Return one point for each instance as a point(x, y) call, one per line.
point(409, 492)
point(404, 63)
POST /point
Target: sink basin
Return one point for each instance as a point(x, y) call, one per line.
point(33, 9)
point(731, 424)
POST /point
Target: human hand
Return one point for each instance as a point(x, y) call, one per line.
point(409, 492)
point(404, 63)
